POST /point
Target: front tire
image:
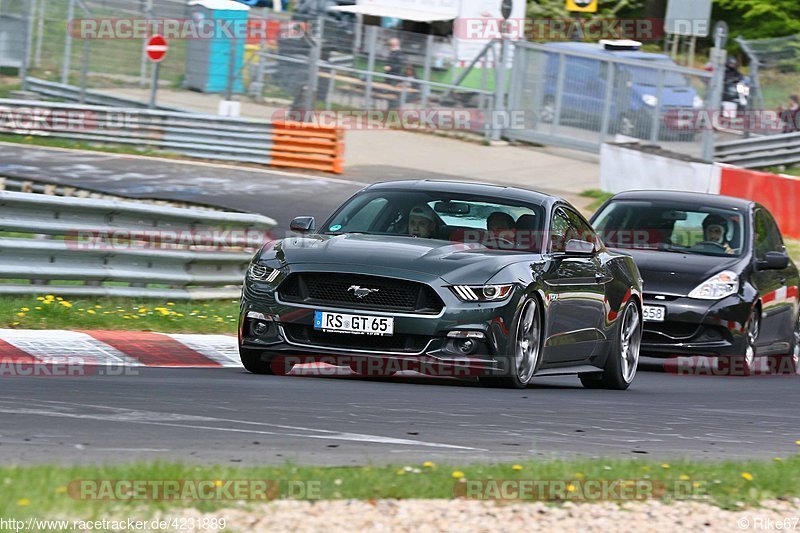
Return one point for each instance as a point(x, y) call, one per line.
point(255, 362)
point(527, 347)
point(745, 365)
point(622, 362)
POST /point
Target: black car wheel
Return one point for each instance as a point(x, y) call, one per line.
point(527, 347)
point(622, 362)
point(790, 364)
point(254, 361)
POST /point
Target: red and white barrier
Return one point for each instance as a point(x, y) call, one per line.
point(623, 168)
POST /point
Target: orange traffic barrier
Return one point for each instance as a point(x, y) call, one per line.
point(307, 146)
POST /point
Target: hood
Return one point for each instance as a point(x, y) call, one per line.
point(678, 274)
point(453, 262)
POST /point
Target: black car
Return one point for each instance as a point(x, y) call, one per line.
point(717, 278)
point(504, 282)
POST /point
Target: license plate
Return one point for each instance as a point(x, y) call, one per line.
point(353, 324)
point(654, 313)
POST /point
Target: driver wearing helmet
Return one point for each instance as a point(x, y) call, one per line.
point(715, 229)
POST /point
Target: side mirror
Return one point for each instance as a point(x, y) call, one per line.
point(773, 261)
point(580, 248)
point(303, 224)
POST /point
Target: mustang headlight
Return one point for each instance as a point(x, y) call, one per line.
point(481, 293)
point(263, 273)
point(717, 287)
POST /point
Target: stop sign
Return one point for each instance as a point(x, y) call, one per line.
point(156, 48)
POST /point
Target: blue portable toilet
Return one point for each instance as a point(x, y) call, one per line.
point(222, 25)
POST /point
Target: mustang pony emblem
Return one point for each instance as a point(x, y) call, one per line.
point(361, 292)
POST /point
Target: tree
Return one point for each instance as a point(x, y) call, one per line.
point(759, 19)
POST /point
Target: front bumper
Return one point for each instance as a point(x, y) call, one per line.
point(697, 327)
point(419, 340)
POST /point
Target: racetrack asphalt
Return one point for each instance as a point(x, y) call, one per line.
point(228, 416)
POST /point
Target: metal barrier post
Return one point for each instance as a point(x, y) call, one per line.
point(562, 71)
point(26, 57)
point(84, 70)
point(716, 87)
point(40, 32)
point(313, 64)
point(606, 120)
point(426, 72)
point(655, 127)
point(372, 44)
point(500, 88)
point(65, 65)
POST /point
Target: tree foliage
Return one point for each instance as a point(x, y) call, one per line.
point(759, 19)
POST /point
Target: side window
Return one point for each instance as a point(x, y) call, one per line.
point(580, 229)
point(774, 233)
point(559, 231)
point(765, 235)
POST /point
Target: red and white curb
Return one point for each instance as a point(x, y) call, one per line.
point(130, 348)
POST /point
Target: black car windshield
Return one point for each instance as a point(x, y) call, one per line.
point(671, 227)
point(650, 76)
point(457, 218)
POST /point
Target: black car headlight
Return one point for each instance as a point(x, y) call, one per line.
point(482, 293)
point(717, 287)
point(262, 273)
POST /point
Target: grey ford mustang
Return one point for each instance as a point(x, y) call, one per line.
point(496, 282)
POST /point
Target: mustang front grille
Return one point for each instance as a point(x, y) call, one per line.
point(355, 291)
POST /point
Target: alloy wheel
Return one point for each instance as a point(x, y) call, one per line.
point(630, 343)
point(528, 336)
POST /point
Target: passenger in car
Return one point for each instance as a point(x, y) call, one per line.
point(422, 221)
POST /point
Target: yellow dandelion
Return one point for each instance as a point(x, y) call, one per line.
point(65, 304)
point(98, 306)
point(15, 323)
point(50, 297)
point(797, 442)
point(778, 459)
point(24, 502)
point(26, 309)
point(570, 488)
point(400, 472)
point(428, 464)
point(59, 298)
point(516, 467)
point(747, 476)
point(458, 474)
point(91, 311)
point(170, 303)
point(580, 475)
point(684, 477)
point(697, 484)
point(40, 298)
point(61, 490)
point(217, 483)
point(178, 314)
point(38, 307)
point(665, 465)
point(21, 314)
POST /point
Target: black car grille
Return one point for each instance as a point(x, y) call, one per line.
point(663, 331)
point(331, 289)
point(309, 336)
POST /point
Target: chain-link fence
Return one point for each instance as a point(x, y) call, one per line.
point(579, 96)
point(774, 70)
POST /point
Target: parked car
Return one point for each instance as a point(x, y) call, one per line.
point(717, 278)
point(634, 89)
point(507, 282)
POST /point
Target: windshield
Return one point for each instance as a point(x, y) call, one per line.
point(672, 228)
point(650, 76)
point(467, 219)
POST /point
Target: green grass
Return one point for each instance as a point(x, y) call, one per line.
point(46, 491)
point(793, 246)
point(599, 198)
point(54, 142)
point(30, 312)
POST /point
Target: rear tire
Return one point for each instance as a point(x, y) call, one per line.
point(790, 364)
point(527, 348)
point(622, 361)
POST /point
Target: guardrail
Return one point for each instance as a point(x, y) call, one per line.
point(284, 144)
point(72, 93)
point(81, 246)
point(760, 152)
